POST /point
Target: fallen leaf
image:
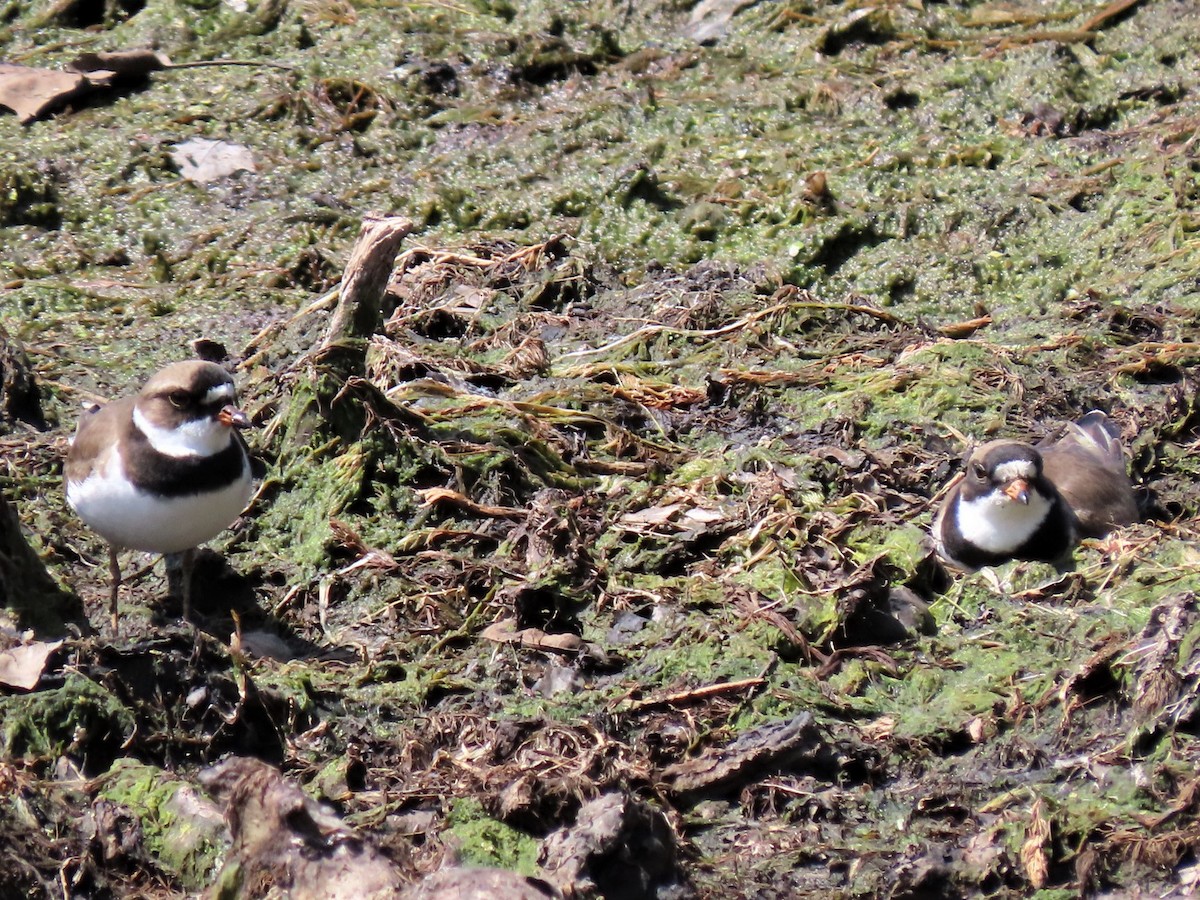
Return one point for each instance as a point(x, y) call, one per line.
point(202, 160)
point(506, 632)
point(123, 63)
point(654, 515)
point(1033, 851)
point(964, 329)
point(30, 92)
point(432, 496)
point(21, 667)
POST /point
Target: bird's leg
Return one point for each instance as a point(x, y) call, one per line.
point(114, 578)
point(187, 564)
point(179, 578)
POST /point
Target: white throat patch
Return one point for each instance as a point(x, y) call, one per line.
point(199, 437)
point(996, 523)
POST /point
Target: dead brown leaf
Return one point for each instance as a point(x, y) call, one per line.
point(506, 632)
point(434, 496)
point(21, 667)
point(964, 329)
point(30, 92)
point(1033, 851)
point(124, 63)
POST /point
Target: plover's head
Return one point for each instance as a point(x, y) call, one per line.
point(1005, 471)
point(189, 409)
point(1003, 499)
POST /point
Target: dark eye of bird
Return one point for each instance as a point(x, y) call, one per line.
point(179, 399)
point(980, 471)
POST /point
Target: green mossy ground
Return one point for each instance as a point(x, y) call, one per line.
point(804, 262)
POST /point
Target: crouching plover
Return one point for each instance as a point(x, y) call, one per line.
point(1016, 501)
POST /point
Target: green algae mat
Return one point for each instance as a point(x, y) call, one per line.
point(621, 491)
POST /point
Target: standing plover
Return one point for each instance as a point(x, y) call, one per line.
point(163, 471)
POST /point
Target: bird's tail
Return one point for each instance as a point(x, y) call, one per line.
point(1100, 431)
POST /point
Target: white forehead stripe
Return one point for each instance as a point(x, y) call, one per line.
point(1017, 468)
point(222, 393)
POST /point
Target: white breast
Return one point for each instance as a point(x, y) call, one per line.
point(997, 524)
point(136, 520)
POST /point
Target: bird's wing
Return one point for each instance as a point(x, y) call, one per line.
point(92, 436)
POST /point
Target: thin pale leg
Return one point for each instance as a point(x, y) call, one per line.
point(114, 578)
point(187, 564)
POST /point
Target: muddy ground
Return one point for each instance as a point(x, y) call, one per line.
point(598, 555)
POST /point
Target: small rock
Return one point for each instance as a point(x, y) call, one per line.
point(558, 680)
point(284, 839)
point(467, 883)
point(620, 849)
point(625, 627)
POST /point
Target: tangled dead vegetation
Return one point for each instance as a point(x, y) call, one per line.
point(559, 566)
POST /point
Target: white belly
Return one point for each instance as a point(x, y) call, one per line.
point(135, 520)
